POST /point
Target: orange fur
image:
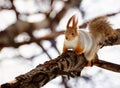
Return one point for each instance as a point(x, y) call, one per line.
point(71, 31)
point(78, 49)
point(64, 48)
point(89, 63)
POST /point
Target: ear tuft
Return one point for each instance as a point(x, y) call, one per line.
point(74, 22)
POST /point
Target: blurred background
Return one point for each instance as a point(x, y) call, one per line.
point(31, 32)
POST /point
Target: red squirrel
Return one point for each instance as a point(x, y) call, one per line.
point(87, 42)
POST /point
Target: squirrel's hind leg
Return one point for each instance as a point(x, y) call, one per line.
point(91, 61)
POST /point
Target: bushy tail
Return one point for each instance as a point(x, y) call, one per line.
point(100, 26)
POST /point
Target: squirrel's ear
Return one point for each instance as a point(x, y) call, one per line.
point(68, 24)
point(75, 22)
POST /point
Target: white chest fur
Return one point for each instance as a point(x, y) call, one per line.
point(86, 43)
point(89, 44)
point(86, 40)
point(72, 43)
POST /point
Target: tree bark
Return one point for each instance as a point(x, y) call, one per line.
point(68, 64)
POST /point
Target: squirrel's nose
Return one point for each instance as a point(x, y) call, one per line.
point(66, 38)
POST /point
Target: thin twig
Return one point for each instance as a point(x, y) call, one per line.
point(84, 25)
point(107, 65)
point(47, 37)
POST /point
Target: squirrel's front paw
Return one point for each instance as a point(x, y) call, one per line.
point(78, 51)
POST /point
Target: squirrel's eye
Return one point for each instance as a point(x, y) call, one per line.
point(72, 33)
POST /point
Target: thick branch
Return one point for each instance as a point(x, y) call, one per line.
point(67, 64)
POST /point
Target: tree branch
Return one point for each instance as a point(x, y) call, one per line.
point(107, 65)
point(66, 64)
point(47, 37)
point(84, 25)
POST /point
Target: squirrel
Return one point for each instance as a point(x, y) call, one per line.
point(84, 42)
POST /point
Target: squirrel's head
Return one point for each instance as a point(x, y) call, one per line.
point(71, 31)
